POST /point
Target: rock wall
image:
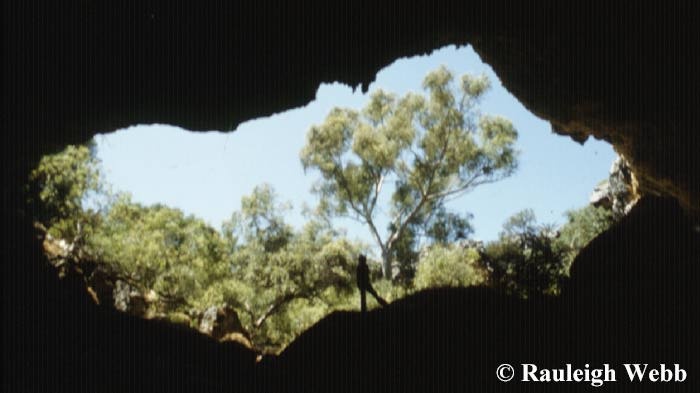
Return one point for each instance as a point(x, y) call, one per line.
point(625, 72)
point(622, 72)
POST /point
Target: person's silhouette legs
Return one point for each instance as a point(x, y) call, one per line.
point(363, 300)
point(364, 284)
point(379, 299)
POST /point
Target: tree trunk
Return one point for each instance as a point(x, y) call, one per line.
point(386, 264)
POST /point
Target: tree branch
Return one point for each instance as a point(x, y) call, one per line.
point(273, 308)
point(377, 189)
point(375, 233)
point(365, 213)
point(343, 183)
point(471, 183)
point(401, 228)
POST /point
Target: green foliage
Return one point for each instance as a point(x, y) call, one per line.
point(159, 248)
point(433, 147)
point(405, 255)
point(278, 279)
point(450, 266)
point(260, 221)
point(526, 259)
point(284, 269)
point(281, 280)
point(386, 290)
point(57, 189)
point(444, 227)
point(438, 227)
point(582, 226)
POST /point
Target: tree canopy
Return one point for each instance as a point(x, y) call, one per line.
point(281, 266)
point(527, 258)
point(433, 147)
point(279, 279)
point(450, 266)
point(57, 190)
point(157, 248)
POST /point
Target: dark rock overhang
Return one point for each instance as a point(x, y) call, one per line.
point(626, 73)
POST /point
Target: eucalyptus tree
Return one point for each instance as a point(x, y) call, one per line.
point(433, 147)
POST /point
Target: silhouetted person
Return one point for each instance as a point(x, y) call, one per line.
point(365, 284)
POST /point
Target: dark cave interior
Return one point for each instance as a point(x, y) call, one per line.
point(625, 73)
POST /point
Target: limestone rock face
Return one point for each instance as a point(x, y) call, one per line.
point(128, 299)
point(618, 192)
point(219, 322)
point(601, 194)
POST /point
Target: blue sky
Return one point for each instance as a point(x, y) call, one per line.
point(206, 174)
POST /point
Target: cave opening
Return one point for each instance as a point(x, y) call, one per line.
point(186, 226)
point(624, 74)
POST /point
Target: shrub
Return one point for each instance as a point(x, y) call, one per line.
point(450, 266)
